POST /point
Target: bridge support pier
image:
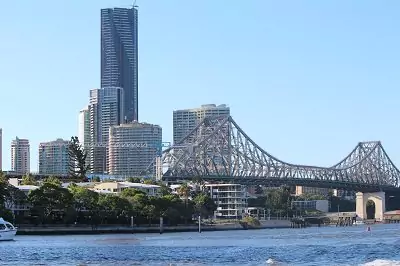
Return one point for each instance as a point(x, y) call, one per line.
point(361, 204)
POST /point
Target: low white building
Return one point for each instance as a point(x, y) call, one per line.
point(118, 187)
point(231, 200)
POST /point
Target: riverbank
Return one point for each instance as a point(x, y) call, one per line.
point(88, 230)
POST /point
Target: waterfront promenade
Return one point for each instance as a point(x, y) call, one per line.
point(112, 229)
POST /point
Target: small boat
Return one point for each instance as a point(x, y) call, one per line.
point(359, 222)
point(7, 230)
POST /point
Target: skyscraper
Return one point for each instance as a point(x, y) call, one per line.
point(119, 55)
point(53, 157)
point(132, 148)
point(186, 120)
point(105, 110)
point(20, 156)
point(84, 126)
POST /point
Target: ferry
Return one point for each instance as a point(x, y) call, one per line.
point(7, 230)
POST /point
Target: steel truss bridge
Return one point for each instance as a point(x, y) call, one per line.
point(217, 149)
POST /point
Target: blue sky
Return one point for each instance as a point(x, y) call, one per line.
point(307, 80)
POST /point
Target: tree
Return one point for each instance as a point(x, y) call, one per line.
point(53, 180)
point(96, 179)
point(50, 202)
point(134, 180)
point(204, 205)
point(77, 156)
point(84, 199)
point(278, 200)
point(28, 179)
point(184, 191)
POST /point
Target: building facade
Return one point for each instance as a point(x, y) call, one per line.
point(132, 148)
point(119, 55)
point(20, 156)
point(105, 110)
point(53, 157)
point(84, 127)
point(186, 120)
point(231, 200)
point(300, 190)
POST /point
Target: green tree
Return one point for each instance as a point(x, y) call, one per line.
point(77, 156)
point(150, 212)
point(114, 208)
point(53, 180)
point(204, 205)
point(28, 179)
point(134, 180)
point(278, 200)
point(184, 191)
point(84, 199)
point(50, 202)
point(96, 179)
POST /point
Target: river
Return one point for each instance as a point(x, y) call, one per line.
point(309, 246)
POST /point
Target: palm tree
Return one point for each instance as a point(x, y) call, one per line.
point(184, 191)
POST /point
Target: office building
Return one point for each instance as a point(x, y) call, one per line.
point(84, 127)
point(1, 149)
point(133, 147)
point(119, 55)
point(184, 121)
point(105, 110)
point(20, 156)
point(300, 190)
point(53, 157)
point(231, 200)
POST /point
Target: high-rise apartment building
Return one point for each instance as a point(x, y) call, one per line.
point(133, 147)
point(20, 156)
point(105, 110)
point(53, 157)
point(84, 127)
point(119, 55)
point(1, 149)
point(186, 120)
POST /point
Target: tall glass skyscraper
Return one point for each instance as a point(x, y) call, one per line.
point(119, 55)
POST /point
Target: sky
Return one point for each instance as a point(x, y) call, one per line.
point(306, 80)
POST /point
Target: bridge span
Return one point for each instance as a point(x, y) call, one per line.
point(217, 149)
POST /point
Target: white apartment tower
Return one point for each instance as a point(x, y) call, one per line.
point(84, 127)
point(53, 157)
point(186, 120)
point(105, 110)
point(20, 156)
point(231, 200)
point(133, 147)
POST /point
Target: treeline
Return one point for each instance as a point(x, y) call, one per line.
point(53, 204)
point(279, 202)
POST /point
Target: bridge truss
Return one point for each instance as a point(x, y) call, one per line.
point(218, 149)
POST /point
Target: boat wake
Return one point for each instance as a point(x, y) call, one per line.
point(271, 261)
point(383, 263)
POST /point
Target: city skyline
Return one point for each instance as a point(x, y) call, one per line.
point(301, 93)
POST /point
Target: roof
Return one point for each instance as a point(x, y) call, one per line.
point(221, 185)
point(396, 212)
point(130, 184)
point(27, 187)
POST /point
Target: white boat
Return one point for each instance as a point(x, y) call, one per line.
point(7, 230)
point(359, 222)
